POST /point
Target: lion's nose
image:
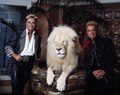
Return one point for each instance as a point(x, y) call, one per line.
point(58, 49)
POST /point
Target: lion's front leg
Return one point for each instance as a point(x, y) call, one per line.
point(50, 76)
point(61, 82)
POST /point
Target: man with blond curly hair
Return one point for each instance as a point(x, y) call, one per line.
point(99, 60)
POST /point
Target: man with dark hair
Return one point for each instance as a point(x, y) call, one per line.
point(25, 50)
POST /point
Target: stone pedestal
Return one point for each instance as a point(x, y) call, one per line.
point(74, 86)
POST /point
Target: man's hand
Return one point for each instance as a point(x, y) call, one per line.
point(99, 74)
point(17, 57)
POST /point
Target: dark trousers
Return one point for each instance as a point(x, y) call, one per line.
point(95, 86)
point(21, 75)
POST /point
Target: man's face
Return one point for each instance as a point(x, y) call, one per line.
point(91, 31)
point(30, 24)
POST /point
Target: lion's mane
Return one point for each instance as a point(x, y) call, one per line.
point(63, 37)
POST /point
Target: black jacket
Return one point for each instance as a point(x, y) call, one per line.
point(106, 56)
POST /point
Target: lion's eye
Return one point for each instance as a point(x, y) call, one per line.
point(65, 42)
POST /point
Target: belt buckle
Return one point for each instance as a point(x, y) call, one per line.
point(26, 58)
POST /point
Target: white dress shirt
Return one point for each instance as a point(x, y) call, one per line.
point(29, 47)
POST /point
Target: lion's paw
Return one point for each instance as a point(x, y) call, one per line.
point(50, 78)
point(61, 85)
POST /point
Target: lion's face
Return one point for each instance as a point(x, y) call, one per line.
point(62, 42)
point(60, 47)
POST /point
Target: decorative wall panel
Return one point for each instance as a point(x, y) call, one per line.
point(107, 15)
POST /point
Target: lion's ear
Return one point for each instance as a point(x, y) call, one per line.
point(75, 38)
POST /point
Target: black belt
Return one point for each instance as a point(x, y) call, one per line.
point(27, 58)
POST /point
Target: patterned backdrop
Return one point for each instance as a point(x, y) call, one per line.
point(107, 15)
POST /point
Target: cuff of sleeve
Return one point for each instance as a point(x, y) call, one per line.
point(10, 54)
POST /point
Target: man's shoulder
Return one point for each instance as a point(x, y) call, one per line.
point(85, 44)
point(20, 33)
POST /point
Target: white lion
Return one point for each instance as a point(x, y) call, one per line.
point(63, 51)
